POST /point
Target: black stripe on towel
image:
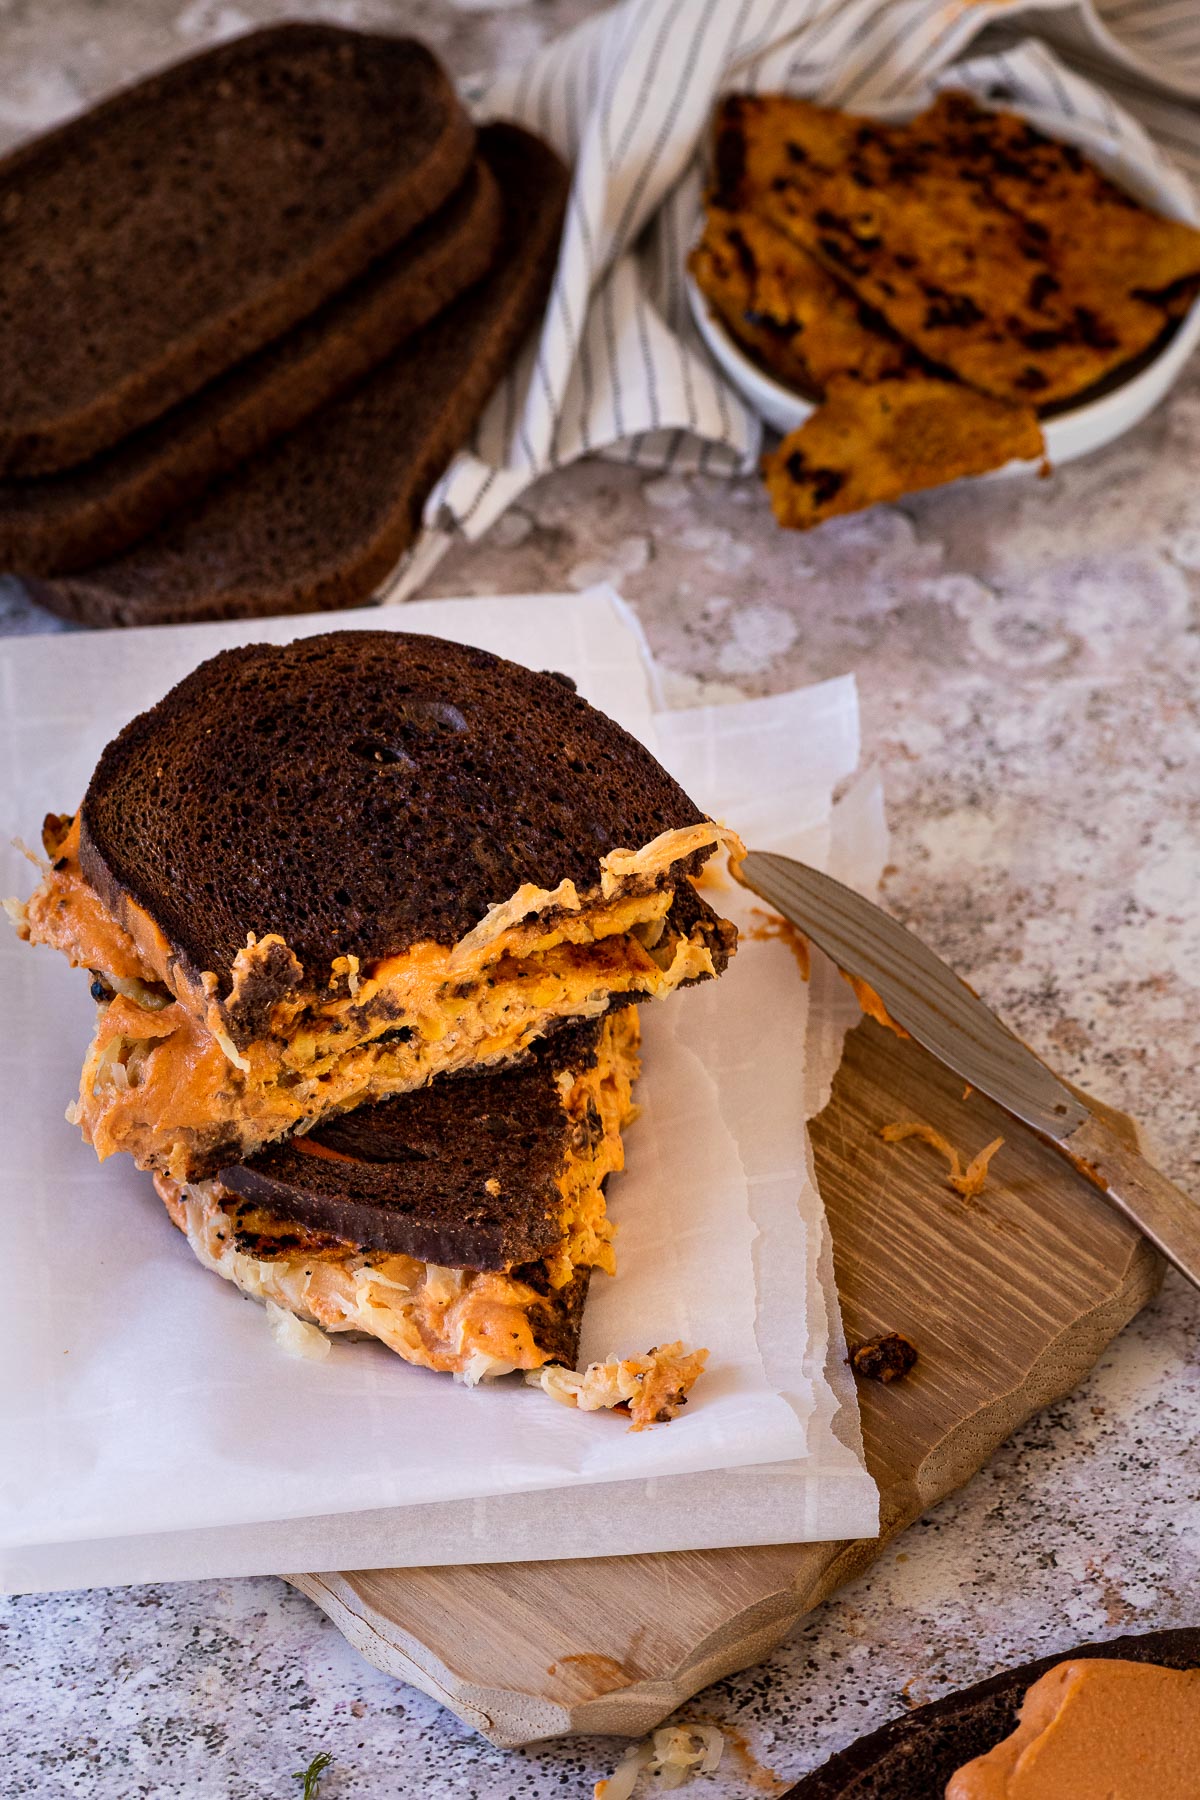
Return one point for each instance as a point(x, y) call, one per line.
point(667, 122)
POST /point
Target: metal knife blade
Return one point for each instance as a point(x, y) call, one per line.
point(928, 999)
point(918, 990)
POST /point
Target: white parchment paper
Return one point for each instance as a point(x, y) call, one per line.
point(151, 1425)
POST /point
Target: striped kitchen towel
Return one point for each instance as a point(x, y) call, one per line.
point(617, 366)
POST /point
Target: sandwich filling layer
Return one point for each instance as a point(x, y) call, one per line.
point(472, 1323)
point(188, 1072)
point(653, 1387)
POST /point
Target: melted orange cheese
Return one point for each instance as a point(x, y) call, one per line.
point(159, 1085)
point(599, 1104)
point(171, 1087)
point(66, 911)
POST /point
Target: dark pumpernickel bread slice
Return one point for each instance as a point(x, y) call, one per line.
point(363, 791)
point(321, 517)
point(557, 1320)
point(914, 1757)
point(56, 523)
point(410, 1176)
point(182, 224)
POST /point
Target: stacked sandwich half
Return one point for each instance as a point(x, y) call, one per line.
point(253, 307)
point(367, 918)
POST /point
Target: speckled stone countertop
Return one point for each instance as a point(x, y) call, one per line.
point(1028, 654)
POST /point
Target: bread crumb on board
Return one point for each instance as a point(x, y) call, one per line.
point(884, 1358)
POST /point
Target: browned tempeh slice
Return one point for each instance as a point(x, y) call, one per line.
point(802, 324)
point(990, 275)
point(1101, 233)
point(759, 138)
point(872, 443)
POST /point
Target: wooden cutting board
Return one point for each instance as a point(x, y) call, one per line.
point(1009, 1299)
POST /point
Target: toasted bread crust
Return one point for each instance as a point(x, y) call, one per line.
point(361, 792)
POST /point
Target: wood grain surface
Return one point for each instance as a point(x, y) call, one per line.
point(1009, 1298)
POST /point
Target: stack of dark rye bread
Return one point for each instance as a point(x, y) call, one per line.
point(251, 309)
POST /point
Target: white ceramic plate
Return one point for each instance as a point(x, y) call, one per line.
point(1068, 434)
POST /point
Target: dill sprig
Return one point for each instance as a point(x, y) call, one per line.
point(311, 1777)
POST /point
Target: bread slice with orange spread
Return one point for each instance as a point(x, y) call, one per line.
point(318, 875)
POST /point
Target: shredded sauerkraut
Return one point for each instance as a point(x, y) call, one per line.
point(481, 1367)
point(668, 848)
point(151, 995)
point(294, 1337)
point(672, 1754)
point(654, 1387)
point(18, 914)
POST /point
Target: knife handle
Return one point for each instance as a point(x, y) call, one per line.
point(1160, 1210)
